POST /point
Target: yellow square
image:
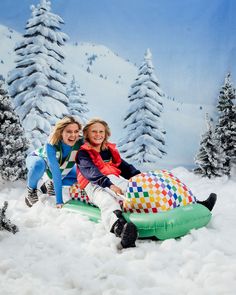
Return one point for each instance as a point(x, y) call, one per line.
point(180, 190)
point(142, 200)
point(151, 198)
point(158, 199)
point(133, 200)
point(163, 207)
point(158, 192)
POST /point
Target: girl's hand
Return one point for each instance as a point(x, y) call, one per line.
point(116, 189)
point(59, 206)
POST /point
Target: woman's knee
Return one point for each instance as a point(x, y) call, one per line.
point(36, 164)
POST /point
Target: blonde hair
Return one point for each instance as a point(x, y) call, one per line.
point(56, 134)
point(94, 121)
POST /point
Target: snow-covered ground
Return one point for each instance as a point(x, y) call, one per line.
point(63, 253)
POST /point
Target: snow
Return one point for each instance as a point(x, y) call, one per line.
point(59, 252)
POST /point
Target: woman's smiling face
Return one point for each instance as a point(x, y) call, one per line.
point(70, 134)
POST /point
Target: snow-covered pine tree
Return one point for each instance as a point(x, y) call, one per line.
point(37, 85)
point(13, 143)
point(77, 101)
point(226, 126)
point(144, 142)
point(210, 158)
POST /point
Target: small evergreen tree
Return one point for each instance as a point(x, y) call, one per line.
point(210, 158)
point(77, 101)
point(13, 143)
point(226, 126)
point(37, 85)
point(145, 139)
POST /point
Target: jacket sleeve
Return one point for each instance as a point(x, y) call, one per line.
point(56, 173)
point(127, 170)
point(90, 171)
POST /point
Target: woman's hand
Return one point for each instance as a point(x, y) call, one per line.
point(59, 206)
point(116, 189)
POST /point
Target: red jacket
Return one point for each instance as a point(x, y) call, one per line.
point(105, 168)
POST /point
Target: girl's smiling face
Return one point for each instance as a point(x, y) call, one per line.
point(70, 134)
point(96, 134)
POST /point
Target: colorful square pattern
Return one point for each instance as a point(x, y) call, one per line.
point(78, 194)
point(156, 191)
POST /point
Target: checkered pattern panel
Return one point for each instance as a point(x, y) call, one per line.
point(156, 191)
point(69, 164)
point(77, 194)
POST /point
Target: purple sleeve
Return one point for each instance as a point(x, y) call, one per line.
point(90, 171)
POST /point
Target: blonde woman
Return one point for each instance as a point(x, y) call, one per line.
point(103, 175)
point(56, 159)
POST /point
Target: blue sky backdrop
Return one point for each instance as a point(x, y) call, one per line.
point(193, 42)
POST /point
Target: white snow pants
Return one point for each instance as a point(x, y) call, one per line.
point(106, 199)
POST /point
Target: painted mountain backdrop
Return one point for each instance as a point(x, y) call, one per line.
point(105, 78)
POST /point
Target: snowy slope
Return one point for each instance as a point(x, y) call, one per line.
point(106, 85)
point(59, 252)
point(8, 39)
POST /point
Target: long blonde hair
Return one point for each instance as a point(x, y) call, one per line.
point(56, 134)
point(94, 121)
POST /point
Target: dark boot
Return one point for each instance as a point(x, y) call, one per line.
point(127, 231)
point(43, 188)
point(32, 197)
point(129, 235)
point(119, 224)
point(50, 188)
point(209, 202)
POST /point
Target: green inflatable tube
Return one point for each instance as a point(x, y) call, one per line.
point(173, 223)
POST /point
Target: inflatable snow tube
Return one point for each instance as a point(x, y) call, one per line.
point(157, 202)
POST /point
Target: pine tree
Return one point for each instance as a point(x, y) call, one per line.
point(77, 101)
point(210, 158)
point(13, 143)
point(226, 126)
point(37, 85)
point(145, 139)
